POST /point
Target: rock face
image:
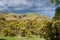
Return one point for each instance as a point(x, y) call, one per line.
point(25, 16)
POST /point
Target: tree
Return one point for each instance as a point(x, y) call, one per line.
point(57, 10)
point(56, 17)
point(57, 13)
point(55, 1)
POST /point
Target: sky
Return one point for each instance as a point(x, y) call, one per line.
point(43, 7)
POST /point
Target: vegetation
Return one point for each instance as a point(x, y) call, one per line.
point(57, 14)
point(24, 28)
point(30, 26)
point(55, 1)
point(56, 21)
point(33, 37)
point(38, 25)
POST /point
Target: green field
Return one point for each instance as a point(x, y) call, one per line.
point(33, 37)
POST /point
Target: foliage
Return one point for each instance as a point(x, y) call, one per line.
point(43, 27)
point(57, 14)
point(56, 29)
point(55, 1)
point(23, 28)
point(32, 37)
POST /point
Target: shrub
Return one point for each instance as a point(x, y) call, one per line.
point(7, 32)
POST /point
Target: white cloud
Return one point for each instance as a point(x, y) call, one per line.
point(18, 2)
point(2, 3)
point(22, 4)
point(25, 4)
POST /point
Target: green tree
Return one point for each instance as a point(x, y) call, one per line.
point(55, 1)
point(57, 14)
point(54, 32)
point(57, 10)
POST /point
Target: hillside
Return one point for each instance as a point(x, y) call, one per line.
point(25, 16)
point(27, 24)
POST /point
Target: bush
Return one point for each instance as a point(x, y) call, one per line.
point(7, 32)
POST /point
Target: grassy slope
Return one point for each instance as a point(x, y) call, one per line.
point(10, 16)
point(33, 37)
point(28, 16)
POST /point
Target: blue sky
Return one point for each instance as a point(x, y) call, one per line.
point(22, 6)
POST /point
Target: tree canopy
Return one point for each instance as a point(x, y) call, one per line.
point(55, 1)
point(57, 14)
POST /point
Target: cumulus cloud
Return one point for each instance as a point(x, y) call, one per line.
point(39, 6)
point(18, 2)
point(21, 4)
point(2, 4)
